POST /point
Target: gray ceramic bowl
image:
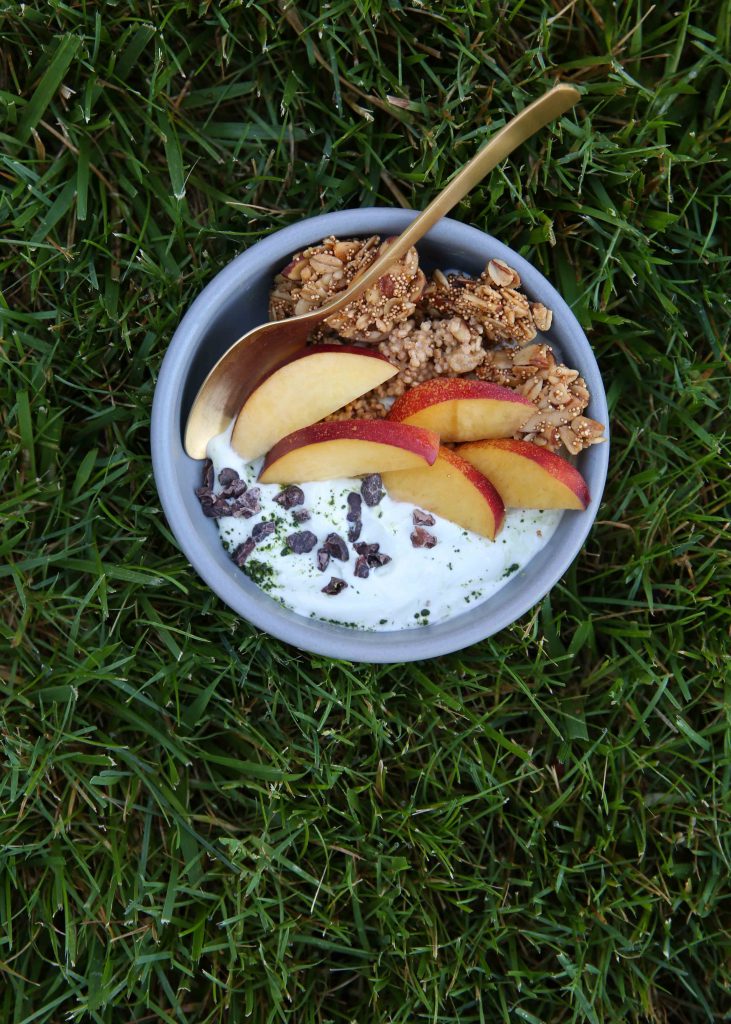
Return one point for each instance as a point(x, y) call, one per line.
point(235, 301)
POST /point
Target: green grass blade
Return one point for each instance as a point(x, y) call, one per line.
point(63, 56)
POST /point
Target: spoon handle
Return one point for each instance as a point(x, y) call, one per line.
point(535, 116)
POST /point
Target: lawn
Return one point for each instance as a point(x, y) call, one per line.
point(201, 824)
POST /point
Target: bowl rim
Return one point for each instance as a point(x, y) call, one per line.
point(260, 610)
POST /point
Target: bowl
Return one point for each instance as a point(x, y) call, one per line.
point(235, 301)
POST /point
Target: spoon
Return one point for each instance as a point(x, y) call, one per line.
point(234, 376)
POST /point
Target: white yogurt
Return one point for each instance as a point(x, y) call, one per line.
point(419, 586)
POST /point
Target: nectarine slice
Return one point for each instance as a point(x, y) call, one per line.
point(527, 475)
point(327, 451)
point(303, 390)
point(451, 488)
point(463, 410)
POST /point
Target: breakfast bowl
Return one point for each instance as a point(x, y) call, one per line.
point(237, 300)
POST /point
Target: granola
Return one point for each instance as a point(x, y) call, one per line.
point(454, 325)
point(491, 301)
point(317, 274)
point(559, 393)
point(431, 348)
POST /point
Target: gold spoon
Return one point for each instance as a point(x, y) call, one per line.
point(232, 379)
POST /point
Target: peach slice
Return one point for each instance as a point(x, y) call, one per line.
point(526, 475)
point(327, 451)
point(303, 390)
point(451, 488)
point(463, 410)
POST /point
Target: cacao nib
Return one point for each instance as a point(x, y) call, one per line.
point(361, 567)
point(233, 490)
point(355, 503)
point(421, 538)
point(372, 489)
point(354, 530)
point(334, 586)
point(302, 542)
point(242, 552)
point(373, 556)
point(422, 518)
point(290, 497)
point(248, 504)
point(366, 549)
point(217, 510)
point(300, 515)
point(227, 476)
point(208, 478)
point(323, 559)
point(205, 497)
point(375, 561)
point(262, 530)
point(336, 546)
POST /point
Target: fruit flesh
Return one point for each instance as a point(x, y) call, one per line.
point(331, 460)
point(528, 476)
point(303, 391)
point(463, 410)
point(327, 451)
point(471, 419)
point(451, 488)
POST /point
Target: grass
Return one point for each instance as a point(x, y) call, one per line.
point(200, 824)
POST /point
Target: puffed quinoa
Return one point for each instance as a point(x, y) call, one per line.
point(367, 407)
point(558, 392)
point(315, 275)
point(448, 327)
point(432, 348)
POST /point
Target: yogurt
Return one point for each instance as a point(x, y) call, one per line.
point(418, 587)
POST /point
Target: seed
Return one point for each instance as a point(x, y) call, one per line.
point(334, 586)
point(227, 476)
point(355, 503)
point(421, 538)
point(290, 497)
point(422, 518)
point(336, 547)
point(372, 489)
point(262, 530)
point(242, 552)
point(302, 542)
